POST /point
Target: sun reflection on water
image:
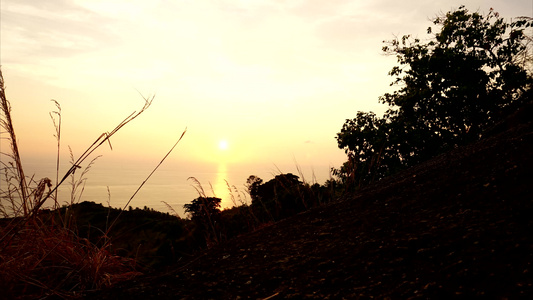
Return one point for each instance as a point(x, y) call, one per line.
point(220, 187)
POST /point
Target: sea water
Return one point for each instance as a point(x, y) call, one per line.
point(125, 183)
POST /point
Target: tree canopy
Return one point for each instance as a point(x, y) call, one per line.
point(279, 197)
point(205, 213)
point(203, 207)
point(452, 87)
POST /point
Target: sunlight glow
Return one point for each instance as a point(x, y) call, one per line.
point(223, 145)
point(220, 187)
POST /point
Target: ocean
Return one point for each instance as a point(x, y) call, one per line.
point(114, 183)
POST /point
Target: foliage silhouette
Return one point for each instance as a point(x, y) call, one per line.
point(452, 88)
point(282, 196)
point(205, 213)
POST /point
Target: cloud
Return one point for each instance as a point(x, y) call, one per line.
point(37, 30)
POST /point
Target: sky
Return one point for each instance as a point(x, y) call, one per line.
point(253, 81)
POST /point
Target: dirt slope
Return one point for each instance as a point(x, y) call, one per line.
point(460, 225)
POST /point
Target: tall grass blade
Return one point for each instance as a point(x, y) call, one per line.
point(148, 177)
point(6, 124)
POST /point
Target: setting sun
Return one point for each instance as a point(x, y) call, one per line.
point(223, 145)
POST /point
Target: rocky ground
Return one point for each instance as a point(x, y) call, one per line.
point(457, 226)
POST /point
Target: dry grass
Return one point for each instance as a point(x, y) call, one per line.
point(245, 208)
point(40, 260)
point(41, 254)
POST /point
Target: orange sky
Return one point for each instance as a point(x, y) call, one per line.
point(275, 80)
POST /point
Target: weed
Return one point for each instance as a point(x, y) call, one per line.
point(245, 209)
point(41, 255)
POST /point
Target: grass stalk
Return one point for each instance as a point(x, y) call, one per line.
point(37, 256)
point(57, 125)
point(103, 138)
point(146, 179)
point(6, 125)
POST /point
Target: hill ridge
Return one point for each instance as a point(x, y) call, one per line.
point(458, 225)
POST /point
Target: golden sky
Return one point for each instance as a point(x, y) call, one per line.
point(253, 81)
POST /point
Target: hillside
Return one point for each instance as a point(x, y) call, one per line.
point(458, 225)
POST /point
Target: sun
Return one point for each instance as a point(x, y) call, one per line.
point(223, 145)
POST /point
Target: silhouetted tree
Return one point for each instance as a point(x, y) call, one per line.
point(202, 207)
point(205, 212)
point(452, 88)
point(252, 184)
point(279, 197)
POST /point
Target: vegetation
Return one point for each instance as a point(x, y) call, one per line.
point(42, 254)
point(205, 213)
point(149, 238)
point(281, 197)
point(472, 72)
point(452, 89)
